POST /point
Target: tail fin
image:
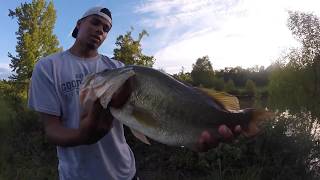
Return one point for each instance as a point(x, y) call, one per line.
point(257, 117)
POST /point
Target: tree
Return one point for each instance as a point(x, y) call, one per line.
point(230, 87)
point(35, 39)
point(294, 88)
point(305, 28)
point(295, 84)
point(251, 88)
point(129, 51)
point(183, 77)
point(202, 72)
point(217, 83)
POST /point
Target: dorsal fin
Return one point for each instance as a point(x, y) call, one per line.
point(228, 101)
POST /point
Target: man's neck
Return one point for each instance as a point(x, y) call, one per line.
point(83, 52)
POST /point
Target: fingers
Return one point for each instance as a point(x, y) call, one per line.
point(97, 107)
point(210, 140)
point(103, 130)
point(206, 142)
point(226, 133)
point(237, 130)
point(105, 120)
point(95, 122)
point(98, 128)
point(91, 110)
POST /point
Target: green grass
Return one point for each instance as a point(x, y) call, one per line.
point(5, 115)
point(5, 111)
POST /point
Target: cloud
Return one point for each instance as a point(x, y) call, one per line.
point(4, 73)
point(175, 13)
point(232, 33)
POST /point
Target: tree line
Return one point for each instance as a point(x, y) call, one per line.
point(234, 80)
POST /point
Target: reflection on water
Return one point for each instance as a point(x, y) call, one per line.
point(303, 120)
point(302, 132)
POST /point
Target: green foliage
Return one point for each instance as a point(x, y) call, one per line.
point(202, 72)
point(250, 88)
point(203, 75)
point(295, 82)
point(35, 37)
point(183, 77)
point(25, 153)
point(230, 87)
point(306, 29)
point(217, 83)
point(294, 88)
point(129, 51)
point(15, 100)
point(259, 75)
point(289, 148)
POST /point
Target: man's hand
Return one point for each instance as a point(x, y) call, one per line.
point(93, 126)
point(208, 140)
point(95, 122)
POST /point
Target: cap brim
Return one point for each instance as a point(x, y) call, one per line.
point(75, 32)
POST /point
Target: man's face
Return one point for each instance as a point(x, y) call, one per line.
point(92, 31)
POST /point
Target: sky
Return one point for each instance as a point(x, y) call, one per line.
point(232, 33)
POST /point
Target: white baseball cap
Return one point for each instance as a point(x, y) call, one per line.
point(100, 11)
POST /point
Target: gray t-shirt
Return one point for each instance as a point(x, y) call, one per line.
point(54, 90)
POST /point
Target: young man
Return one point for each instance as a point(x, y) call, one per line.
point(90, 144)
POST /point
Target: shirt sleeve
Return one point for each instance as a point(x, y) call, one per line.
point(42, 92)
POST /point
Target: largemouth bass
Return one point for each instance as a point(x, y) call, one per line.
point(166, 110)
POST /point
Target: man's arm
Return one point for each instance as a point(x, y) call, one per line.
point(95, 123)
point(57, 133)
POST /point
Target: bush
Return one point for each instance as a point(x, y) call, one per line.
point(26, 154)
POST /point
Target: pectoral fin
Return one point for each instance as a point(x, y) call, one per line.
point(140, 136)
point(144, 118)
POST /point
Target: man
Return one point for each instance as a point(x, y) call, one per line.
point(90, 144)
